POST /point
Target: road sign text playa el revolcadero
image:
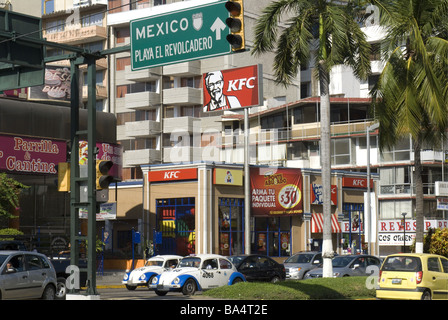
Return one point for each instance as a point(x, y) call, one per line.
point(179, 36)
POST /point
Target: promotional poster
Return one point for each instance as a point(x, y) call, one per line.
point(276, 192)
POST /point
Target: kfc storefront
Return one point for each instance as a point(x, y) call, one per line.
point(199, 208)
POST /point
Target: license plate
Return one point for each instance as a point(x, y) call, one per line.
point(396, 281)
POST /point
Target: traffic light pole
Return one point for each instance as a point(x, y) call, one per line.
point(76, 179)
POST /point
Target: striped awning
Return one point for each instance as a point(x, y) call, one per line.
point(317, 223)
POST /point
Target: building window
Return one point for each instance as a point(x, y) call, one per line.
point(121, 63)
point(175, 226)
point(121, 34)
point(55, 26)
point(231, 226)
point(94, 19)
point(190, 111)
point(340, 151)
point(272, 236)
point(396, 180)
point(400, 152)
point(192, 82)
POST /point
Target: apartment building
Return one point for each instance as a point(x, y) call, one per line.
point(79, 23)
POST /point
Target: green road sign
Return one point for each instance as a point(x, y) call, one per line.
point(179, 36)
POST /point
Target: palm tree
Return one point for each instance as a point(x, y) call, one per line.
point(325, 33)
point(410, 96)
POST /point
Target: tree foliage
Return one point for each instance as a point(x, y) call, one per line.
point(9, 195)
point(435, 242)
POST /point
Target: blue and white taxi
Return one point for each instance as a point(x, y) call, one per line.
point(196, 273)
point(153, 267)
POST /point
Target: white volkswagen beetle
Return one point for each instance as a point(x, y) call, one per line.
point(196, 273)
point(153, 266)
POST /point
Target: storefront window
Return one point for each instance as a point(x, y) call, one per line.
point(231, 226)
point(272, 236)
point(175, 225)
point(354, 214)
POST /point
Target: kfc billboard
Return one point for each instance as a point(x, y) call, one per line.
point(233, 88)
point(276, 191)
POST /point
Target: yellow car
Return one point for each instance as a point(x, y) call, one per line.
point(413, 276)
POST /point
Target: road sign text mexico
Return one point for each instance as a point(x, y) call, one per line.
point(179, 36)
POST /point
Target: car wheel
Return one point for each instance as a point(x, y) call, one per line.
point(275, 279)
point(149, 282)
point(189, 287)
point(131, 288)
point(161, 293)
point(49, 293)
point(236, 280)
point(61, 289)
point(426, 295)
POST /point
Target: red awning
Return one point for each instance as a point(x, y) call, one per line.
point(317, 223)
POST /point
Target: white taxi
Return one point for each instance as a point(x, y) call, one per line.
point(196, 273)
point(153, 267)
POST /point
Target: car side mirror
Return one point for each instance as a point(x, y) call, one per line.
point(316, 262)
point(356, 266)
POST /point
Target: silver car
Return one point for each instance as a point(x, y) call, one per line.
point(26, 275)
point(349, 265)
point(300, 263)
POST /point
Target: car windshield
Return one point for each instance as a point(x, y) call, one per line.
point(300, 258)
point(402, 263)
point(154, 263)
point(340, 262)
point(190, 262)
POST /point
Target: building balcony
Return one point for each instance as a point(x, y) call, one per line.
point(142, 75)
point(142, 129)
point(181, 154)
point(181, 124)
point(78, 36)
point(183, 96)
point(142, 100)
point(133, 158)
point(101, 92)
point(191, 68)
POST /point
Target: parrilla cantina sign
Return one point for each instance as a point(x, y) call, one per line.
point(31, 155)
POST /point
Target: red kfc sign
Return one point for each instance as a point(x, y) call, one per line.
point(233, 88)
point(173, 175)
point(356, 182)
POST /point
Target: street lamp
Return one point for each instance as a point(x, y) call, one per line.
point(404, 231)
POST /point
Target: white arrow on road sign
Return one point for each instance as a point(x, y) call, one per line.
point(217, 27)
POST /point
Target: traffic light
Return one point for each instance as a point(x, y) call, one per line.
point(103, 179)
point(236, 24)
point(63, 169)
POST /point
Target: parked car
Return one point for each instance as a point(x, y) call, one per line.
point(300, 263)
point(348, 265)
point(60, 264)
point(413, 276)
point(26, 275)
point(153, 266)
point(257, 267)
point(195, 273)
point(12, 245)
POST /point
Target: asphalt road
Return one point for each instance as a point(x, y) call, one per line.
point(144, 294)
